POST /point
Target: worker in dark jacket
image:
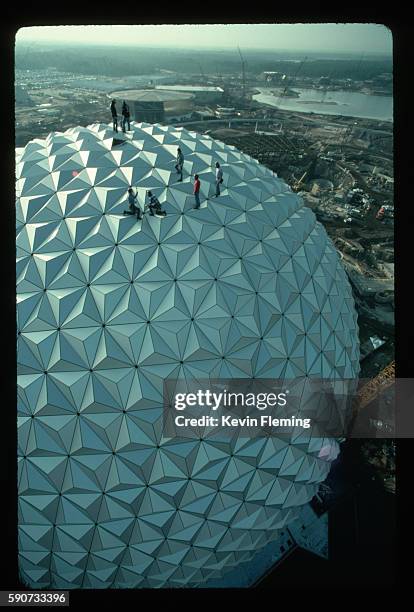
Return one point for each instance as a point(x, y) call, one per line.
point(125, 116)
point(219, 179)
point(114, 116)
point(197, 191)
point(180, 163)
point(133, 208)
point(154, 205)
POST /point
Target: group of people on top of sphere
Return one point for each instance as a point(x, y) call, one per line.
point(125, 116)
point(154, 205)
point(196, 190)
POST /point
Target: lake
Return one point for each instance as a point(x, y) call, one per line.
point(347, 103)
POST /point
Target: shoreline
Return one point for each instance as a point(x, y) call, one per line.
point(278, 92)
point(332, 103)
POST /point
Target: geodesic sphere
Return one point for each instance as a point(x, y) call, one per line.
point(109, 307)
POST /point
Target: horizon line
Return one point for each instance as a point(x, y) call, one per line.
point(191, 47)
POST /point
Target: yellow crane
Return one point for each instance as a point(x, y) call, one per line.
point(374, 387)
point(299, 182)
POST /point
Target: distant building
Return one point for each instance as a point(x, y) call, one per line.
point(204, 115)
point(320, 185)
point(324, 80)
point(149, 112)
point(274, 77)
point(339, 197)
point(52, 112)
point(203, 94)
point(225, 113)
point(151, 105)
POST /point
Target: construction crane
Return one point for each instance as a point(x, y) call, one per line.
point(300, 181)
point(202, 75)
point(374, 387)
point(292, 78)
point(222, 84)
point(325, 89)
point(243, 65)
point(309, 170)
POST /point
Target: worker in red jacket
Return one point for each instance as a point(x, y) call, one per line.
point(197, 191)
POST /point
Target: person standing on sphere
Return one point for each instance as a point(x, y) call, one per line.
point(125, 116)
point(197, 191)
point(114, 116)
point(219, 178)
point(180, 163)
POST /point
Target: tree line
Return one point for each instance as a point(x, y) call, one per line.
point(129, 61)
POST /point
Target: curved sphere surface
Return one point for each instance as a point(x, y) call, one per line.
point(108, 307)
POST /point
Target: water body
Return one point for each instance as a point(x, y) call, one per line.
point(347, 103)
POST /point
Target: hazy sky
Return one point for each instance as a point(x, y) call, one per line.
point(330, 37)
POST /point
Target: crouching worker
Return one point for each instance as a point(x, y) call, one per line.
point(154, 205)
point(133, 208)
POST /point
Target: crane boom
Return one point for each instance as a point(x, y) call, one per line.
point(294, 77)
point(369, 391)
point(243, 63)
